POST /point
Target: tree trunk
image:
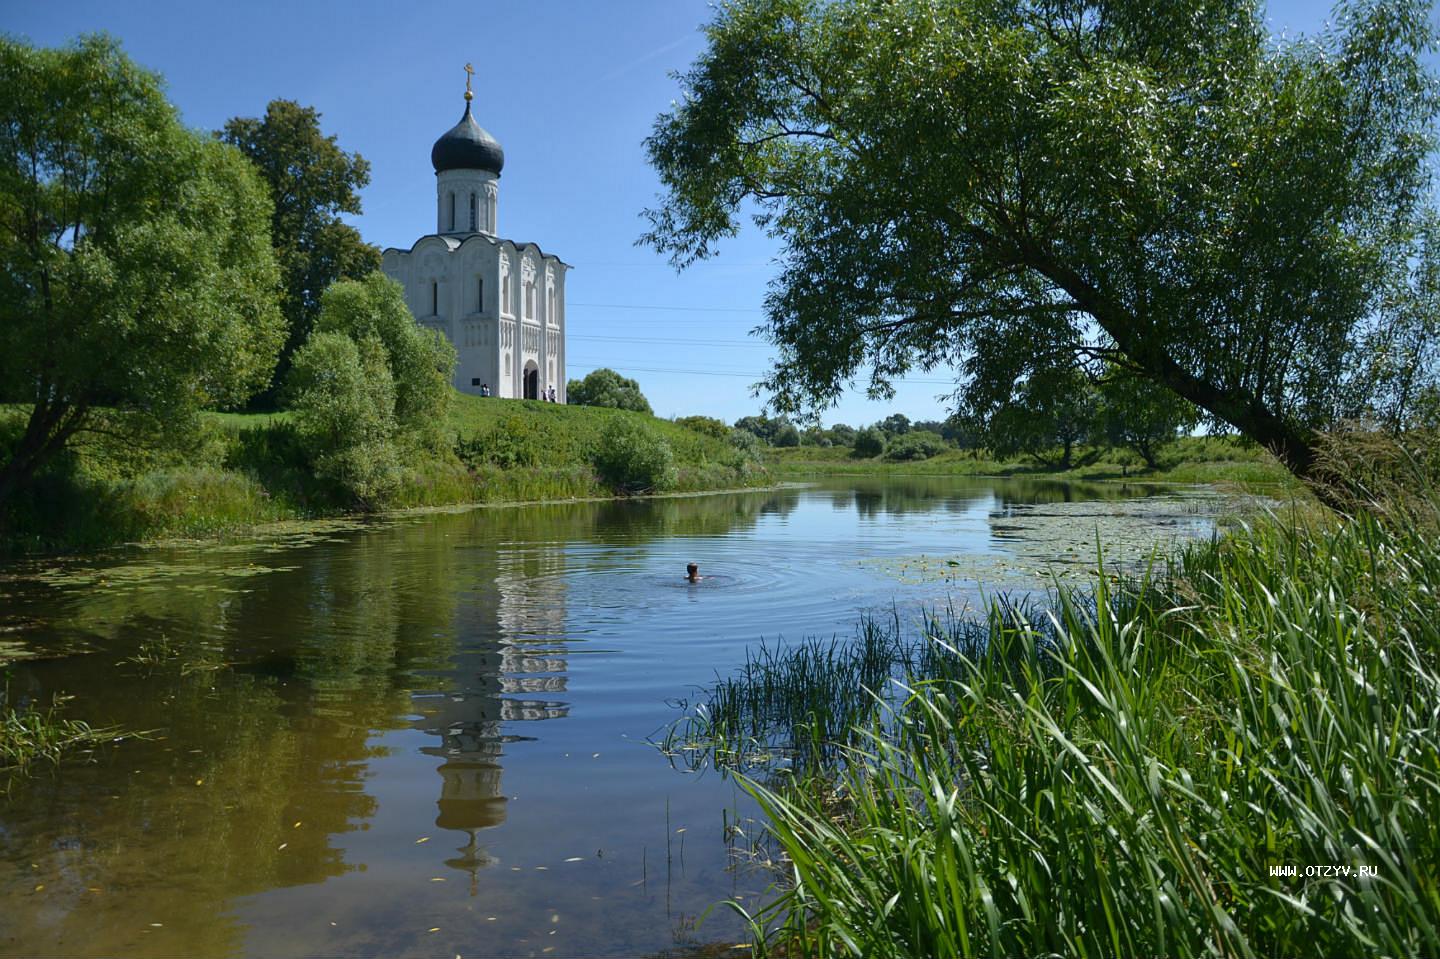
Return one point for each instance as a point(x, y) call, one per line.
point(1294, 446)
point(45, 434)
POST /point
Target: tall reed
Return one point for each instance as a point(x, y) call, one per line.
point(1239, 756)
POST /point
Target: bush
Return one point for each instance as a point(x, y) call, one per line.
point(705, 425)
point(916, 445)
point(869, 442)
point(344, 401)
point(632, 458)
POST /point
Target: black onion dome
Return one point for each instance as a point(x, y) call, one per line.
point(467, 147)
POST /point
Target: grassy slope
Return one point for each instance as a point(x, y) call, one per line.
point(1189, 460)
point(245, 473)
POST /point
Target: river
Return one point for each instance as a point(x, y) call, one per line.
point(427, 734)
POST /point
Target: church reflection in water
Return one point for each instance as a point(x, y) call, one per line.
point(508, 668)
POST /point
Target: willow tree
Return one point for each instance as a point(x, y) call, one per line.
point(137, 285)
point(1008, 186)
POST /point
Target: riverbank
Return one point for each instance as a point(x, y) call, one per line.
point(248, 470)
point(1189, 460)
point(1236, 755)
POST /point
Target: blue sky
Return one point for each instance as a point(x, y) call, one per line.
point(570, 90)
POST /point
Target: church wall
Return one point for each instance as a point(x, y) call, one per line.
point(459, 288)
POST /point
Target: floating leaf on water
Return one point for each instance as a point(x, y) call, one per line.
point(437, 878)
point(282, 846)
point(422, 839)
point(433, 929)
point(576, 859)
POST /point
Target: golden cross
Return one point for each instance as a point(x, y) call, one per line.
point(469, 71)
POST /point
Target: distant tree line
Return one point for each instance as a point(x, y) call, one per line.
point(1047, 419)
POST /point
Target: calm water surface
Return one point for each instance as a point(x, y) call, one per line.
point(427, 735)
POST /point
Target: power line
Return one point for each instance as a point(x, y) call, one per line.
point(671, 341)
point(670, 309)
point(694, 372)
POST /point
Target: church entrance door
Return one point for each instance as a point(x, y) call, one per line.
point(532, 382)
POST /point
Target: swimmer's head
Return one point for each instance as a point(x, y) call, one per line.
point(692, 571)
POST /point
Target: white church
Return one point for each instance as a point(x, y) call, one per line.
point(501, 303)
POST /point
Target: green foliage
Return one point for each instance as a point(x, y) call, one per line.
point(370, 389)
point(514, 441)
point(137, 284)
point(708, 425)
point(1054, 407)
point(29, 734)
point(786, 435)
point(1119, 776)
point(997, 186)
point(343, 395)
point(842, 434)
point(761, 426)
point(869, 442)
point(632, 458)
point(421, 361)
point(605, 387)
point(916, 445)
point(896, 424)
point(311, 182)
point(1137, 414)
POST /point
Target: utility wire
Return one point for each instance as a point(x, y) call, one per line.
point(671, 309)
point(693, 372)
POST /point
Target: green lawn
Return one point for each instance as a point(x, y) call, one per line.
point(1196, 459)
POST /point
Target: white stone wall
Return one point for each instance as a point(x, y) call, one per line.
point(457, 284)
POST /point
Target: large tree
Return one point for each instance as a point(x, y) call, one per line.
point(312, 182)
point(1054, 409)
point(1005, 185)
point(137, 284)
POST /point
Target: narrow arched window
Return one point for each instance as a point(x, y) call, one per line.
point(434, 298)
point(452, 212)
point(472, 213)
point(479, 294)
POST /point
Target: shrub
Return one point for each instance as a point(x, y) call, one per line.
point(632, 458)
point(869, 442)
point(344, 401)
point(705, 425)
point(916, 445)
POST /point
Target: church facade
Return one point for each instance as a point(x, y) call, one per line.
point(500, 302)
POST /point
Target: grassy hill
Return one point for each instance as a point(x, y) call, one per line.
point(250, 469)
